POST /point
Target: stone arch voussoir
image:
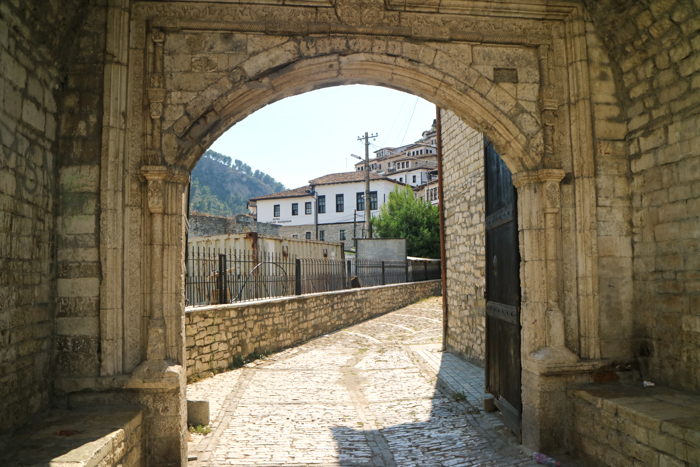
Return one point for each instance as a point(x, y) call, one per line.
point(297, 66)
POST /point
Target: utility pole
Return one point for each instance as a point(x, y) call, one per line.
point(354, 229)
point(367, 200)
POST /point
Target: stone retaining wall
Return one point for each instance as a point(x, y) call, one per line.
point(216, 334)
point(204, 225)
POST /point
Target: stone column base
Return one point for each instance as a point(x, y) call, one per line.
point(547, 373)
point(158, 388)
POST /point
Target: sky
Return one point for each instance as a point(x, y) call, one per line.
point(313, 134)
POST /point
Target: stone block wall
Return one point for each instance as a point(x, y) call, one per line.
point(203, 225)
point(77, 339)
point(624, 426)
point(613, 213)
point(216, 334)
point(656, 51)
point(28, 119)
point(465, 236)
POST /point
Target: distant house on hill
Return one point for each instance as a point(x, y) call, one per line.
point(340, 202)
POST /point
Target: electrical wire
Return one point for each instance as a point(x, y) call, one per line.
point(395, 120)
point(409, 121)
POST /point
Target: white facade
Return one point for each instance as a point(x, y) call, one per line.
point(328, 193)
point(413, 177)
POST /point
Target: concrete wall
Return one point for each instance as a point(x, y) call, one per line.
point(203, 225)
point(216, 334)
point(463, 163)
point(390, 249)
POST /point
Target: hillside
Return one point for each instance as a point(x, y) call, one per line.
point(221, 190)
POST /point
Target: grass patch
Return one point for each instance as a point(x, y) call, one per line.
point(362, 350)
point(200, 429)
point(459, 396)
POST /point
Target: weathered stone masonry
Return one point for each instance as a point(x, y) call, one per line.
point(30, 78)
point(217, 334)
point(465, 236)
point(106, 105)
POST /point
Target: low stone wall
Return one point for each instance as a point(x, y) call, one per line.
point(216, 334)
point(624, 425)
point(204, 225)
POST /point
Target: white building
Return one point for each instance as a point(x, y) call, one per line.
point(429, 189)
point(422, 153)
point(339, 199)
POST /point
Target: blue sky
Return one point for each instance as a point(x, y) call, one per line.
point(313, 134)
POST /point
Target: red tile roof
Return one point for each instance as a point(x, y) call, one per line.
point(330, 179)
point(346, 177)
point(295, 193)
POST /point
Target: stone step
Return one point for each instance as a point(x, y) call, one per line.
point(103, 437)
point(627, 424)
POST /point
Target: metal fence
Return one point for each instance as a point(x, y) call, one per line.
point(255, 275)
point(248, 275)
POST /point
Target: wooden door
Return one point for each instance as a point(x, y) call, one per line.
point(503, 372)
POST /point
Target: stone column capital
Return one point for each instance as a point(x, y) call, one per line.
point(156, 176)
point(530, 177)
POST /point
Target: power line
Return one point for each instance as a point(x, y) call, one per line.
point(401, 129)
point(395, 120)
point(409, 121)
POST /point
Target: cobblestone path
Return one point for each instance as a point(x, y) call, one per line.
point(377, 394)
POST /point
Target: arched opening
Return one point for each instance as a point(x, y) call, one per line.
point(195, 100)
point(474, 151)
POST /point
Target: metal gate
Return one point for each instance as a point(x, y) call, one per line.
point(503, 372)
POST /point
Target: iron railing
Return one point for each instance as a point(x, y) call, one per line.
point(255, 275)
point(249, 275)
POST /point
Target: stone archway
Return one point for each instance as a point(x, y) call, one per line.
point(185, 72)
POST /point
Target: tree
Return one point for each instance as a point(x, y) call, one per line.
point(416, 220)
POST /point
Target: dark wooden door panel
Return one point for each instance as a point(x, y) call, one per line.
point(503, 371)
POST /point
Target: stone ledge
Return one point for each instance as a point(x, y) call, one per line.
point(570, 368)
point(620, 424)
point(77, 438)
point(285, 300)
point(148, 375)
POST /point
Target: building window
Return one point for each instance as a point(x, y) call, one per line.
point(308, 235)
point(322, 235)
point(342, 235)
point(277, 210)
point(307, 208)
point(295, 236)
point(295, 209)
point(322, 204)
point(360, 201)
point(380, 166)
point(414, 179)
point(401, 179)
point(339, 203)
point(373, 200)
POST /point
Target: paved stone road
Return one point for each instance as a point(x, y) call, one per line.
point(377, 394)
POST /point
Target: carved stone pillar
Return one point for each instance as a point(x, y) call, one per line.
point(543, 324)
point(156, 178)
point(162, 375)
point(156, 98)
